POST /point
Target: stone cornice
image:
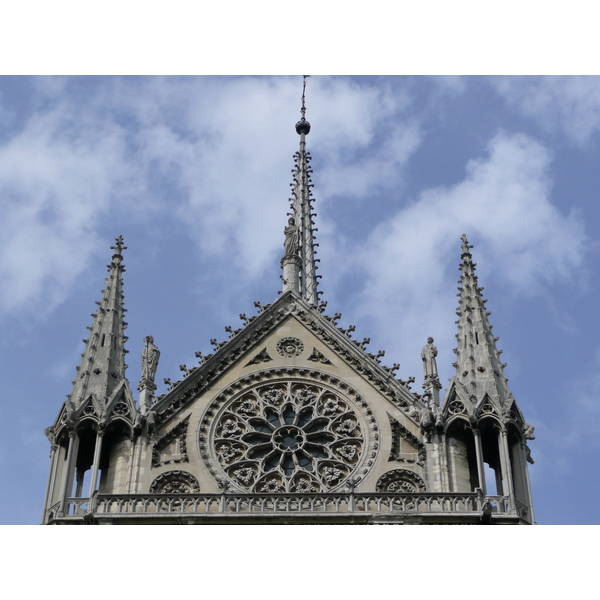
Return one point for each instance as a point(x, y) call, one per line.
point(288, 305)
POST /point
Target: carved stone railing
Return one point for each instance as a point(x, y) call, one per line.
point(523, 511)
point(500, 504)
point(342, 504)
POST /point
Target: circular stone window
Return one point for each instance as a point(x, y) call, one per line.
point(293, 435)
point(290, 347)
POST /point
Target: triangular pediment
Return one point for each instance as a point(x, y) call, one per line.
point(457, 402)
point(121, 404)
point(287, 334)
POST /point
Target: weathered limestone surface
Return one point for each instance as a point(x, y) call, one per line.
point(290, 420)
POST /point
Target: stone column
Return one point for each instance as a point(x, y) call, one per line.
point(96, 463)
point(479, 457)
point(67, 480)
point(291, 273)
point(132, 461)
point(526, 468)
point(444, 463)
point(507, 484)
point(51, 481)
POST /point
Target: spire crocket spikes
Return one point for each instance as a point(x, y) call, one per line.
point(299, 263)
point(478, 365)
point(103, 360)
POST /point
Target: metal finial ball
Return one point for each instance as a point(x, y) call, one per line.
point(302, 126)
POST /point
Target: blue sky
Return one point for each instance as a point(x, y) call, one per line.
point(194, 172)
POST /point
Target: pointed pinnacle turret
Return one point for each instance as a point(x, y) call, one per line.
point(478, 365)
point(298, 262)
point(103, 360)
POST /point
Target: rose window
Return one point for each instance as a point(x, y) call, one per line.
point(288, 437)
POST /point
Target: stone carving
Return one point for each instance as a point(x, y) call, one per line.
point(175, 482)
point(179, 433)
point(428, 354)
point(528, 432)
point(400, 432)
point(290, 347)
point(397, 392)
point(150, 356)
point(319, 357)
point(400, 480)
point(262, 356)
point(291, 242)
point(427, 421)
point(456, 407)
point(488, 409)
point(90, 410)
point(291, 435)
point(121, 409)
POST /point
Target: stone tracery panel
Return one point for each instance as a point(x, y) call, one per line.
point(400, 480)
point(175, 482)
point(289, 435)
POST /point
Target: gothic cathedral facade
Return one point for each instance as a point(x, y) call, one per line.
point(290, 420)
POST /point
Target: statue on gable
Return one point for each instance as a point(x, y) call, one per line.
point(150, 356)
point(428, 354)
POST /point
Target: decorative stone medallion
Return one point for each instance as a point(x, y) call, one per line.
point(288, 434)
point(290, 347)
point(400, 480)
point(456, 407)
point(175, 482)
point(121, 409)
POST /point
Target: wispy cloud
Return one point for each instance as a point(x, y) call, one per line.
point(569, 105)
point(206, 150)
point(504, 206)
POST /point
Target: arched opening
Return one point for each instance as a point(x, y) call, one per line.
point(85, 457)
point(491, 456)
point(462, 457)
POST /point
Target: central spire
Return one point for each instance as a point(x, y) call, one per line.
point(298, 262)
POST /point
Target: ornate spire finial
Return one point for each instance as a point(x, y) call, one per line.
point(303, 126)
point(465, 244)
point(118, 247)
point(299, 263)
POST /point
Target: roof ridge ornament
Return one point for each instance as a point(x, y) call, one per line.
point(303, 126)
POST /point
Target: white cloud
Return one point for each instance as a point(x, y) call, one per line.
point(54, 181)
point(570, 104)
point(208, 150)
point(504, 206)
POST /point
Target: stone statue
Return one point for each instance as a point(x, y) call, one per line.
point(291, 238)
point(428, 354)
point(150, 356)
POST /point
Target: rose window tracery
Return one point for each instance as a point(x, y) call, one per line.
point(288, 436)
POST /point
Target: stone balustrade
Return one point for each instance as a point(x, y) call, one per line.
point(361, 506)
